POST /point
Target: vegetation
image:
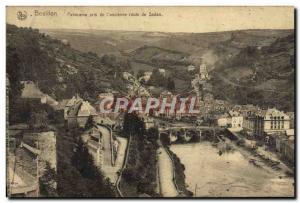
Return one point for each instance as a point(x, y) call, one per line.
point(59, 70)
point(139, 176)
point(97, 184)
point(48, 182)
point(39, 120)
point(89, 123)
point(179, 167)
point(76, 173)
point(14, 87)
point(262, 76)
point(157, 79)
point(179, 175)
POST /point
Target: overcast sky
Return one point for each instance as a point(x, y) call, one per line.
point(173, 19)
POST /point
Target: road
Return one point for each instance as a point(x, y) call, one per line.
point(167, 185)
point(106, 160)
point(108, 169)
point(121, 152)
point(15, 179)
point(112, 171)
point(20, 182)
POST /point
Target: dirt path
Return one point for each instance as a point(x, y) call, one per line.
point(106, 146)
point(167, 185)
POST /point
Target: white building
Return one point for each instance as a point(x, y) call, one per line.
point(191, 68)
point(271, 121)
point(203, 72)
point(162, 71)
point(232, 120)
point(146, 77)
point(222, 121)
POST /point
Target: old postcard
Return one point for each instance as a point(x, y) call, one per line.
point(150, 102)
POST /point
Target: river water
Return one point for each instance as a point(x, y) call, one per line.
point(209, 174)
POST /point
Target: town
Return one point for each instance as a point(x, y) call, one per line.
point(149, 114)
point(269, 133)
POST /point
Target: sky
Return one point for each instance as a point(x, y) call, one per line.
point(172, 19)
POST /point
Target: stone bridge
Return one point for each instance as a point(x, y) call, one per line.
point(185, 132)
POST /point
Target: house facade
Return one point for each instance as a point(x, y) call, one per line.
point(232, 119)
point(271, 121)
point(85, 111)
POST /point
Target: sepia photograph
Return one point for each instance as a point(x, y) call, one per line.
point(186, 102)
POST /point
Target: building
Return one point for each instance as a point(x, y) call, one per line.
point(46, 99)
point(291, 114)
point(271, 121)
point(162, 71)
point(208, 97)
point(71, 113)
point(148, 122)
point(146, 77)
point(248, 124)
point(191, 68)
point(221, 106)
point(232, 120)
point(236, 119)
point(85, 111)
point(247, 110)
point(70, 103)
point(284, 146)
point(169, 97)
point(31, 91)
point(222, 121)
point(203, 73)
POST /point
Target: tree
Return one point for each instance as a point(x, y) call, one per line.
point(14, 86)
point(170, 84)
point(133, 124)
point(157, 79)
point(47, 182)
point(39, 120)
point(89, 123)
point(152, 134)
point(139, 74)
point(97, 185)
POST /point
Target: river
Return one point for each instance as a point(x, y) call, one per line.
point(230, 174)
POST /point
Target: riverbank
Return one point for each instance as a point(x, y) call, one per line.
point(210, 173)
point(179, 176)
point(266, 154)
point(166, 174)
point(265, 159)
point(139, 177)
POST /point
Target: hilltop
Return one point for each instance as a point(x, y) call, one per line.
point(245, 66)
point(262, 75)
point(58, 69)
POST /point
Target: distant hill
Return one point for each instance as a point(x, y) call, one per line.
point(58, 69)
point(262, 75)
point(159, 57)
point(246, 66)
point(194, 44)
